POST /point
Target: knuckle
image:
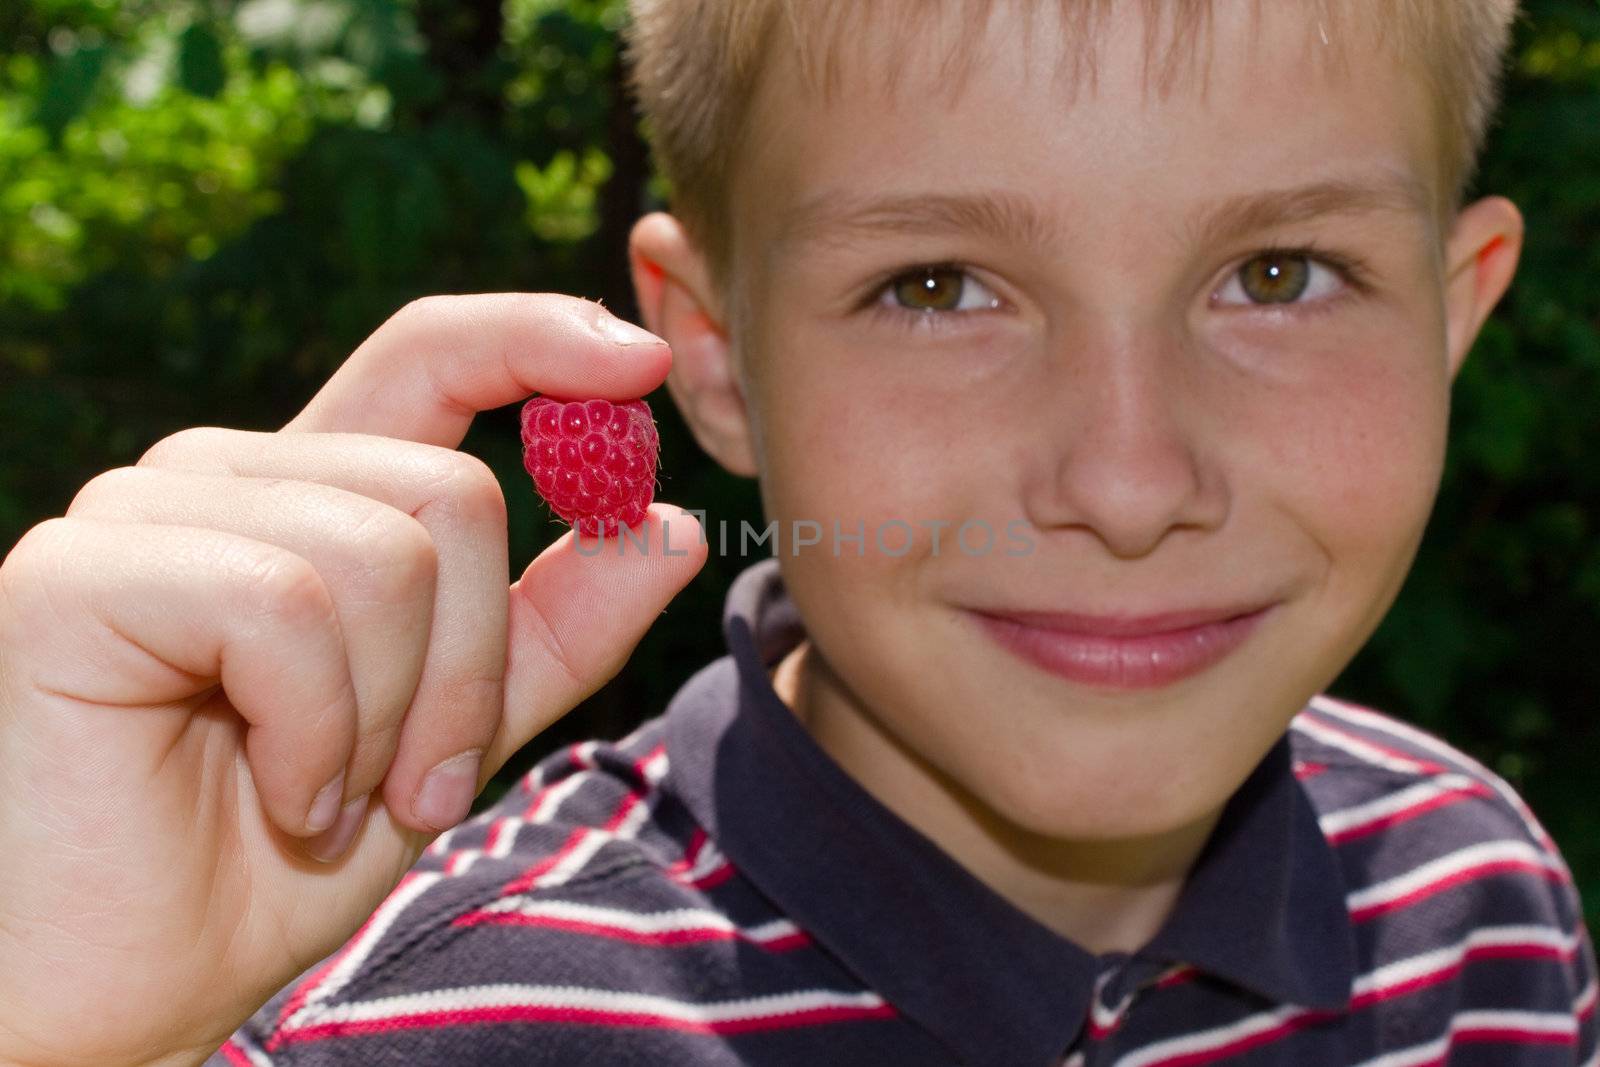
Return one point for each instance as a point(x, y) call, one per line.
point(421, 309)
point(38, 550)
point(286, 588)
point(395, 555)
point(472, 490)
point(104, 487)
point(20, 580)
point(556, 651)
point(183, 446)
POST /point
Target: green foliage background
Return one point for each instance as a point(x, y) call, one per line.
point(204, 206)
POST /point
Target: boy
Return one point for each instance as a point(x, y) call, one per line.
point(1170, 294)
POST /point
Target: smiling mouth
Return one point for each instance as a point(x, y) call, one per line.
point(1120, 654)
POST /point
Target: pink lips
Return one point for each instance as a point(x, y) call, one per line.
point(1122, 653)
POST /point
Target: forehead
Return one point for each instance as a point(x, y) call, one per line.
point(1078, 99)
point(842, 46)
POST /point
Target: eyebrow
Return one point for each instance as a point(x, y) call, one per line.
point(836, 220)
point(1253, 212)
point(833, 219)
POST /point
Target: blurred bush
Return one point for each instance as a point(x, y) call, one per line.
point(204, 206)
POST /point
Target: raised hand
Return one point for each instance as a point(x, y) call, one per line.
point(244, 683)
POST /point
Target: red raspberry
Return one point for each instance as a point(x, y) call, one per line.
point(594, 462)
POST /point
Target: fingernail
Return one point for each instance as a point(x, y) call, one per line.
point(622, 332)
point(331, 843)
point(325, 808)
point(446, 794)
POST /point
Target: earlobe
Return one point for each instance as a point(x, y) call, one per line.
point(1480, 260)
point(678, 304)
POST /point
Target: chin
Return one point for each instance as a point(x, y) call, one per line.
point(1060, 792)
point(1072, 817)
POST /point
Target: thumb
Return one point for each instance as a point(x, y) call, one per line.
point(577, 613)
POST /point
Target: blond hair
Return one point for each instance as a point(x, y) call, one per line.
point(694, 67)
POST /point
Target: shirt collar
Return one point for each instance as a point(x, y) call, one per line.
point(1263, 907)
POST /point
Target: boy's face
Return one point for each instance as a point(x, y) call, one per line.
point(1165, 430)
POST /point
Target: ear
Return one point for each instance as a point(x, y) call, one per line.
point(1480, 258)
point(675, 295)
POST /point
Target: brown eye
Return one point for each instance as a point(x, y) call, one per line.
point(1276, 279)
point(932, 289)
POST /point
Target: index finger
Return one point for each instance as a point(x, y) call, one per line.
point(438, 361)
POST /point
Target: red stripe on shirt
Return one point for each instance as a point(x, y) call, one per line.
point(526, 880)
point(629, 802)
point(1526, 950)
point(1100, 1033)
point(1212, 1055)
point(643, 761)
point(679, 869)
point(1383, 822)
point(712, 878)
point(235, 1055)
point(1512, 1035)
point(1183, 974)
point(1427, 766)
point(1470, 874)
point(691, 854)
point(307, 988)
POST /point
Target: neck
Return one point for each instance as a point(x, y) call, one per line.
point(1108, 895)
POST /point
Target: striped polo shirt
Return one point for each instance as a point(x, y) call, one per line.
point(714, 890)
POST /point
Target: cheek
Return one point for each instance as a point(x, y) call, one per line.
point(1362, 456)
point(848, 447)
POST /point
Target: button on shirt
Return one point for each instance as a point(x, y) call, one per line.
point(715, 890)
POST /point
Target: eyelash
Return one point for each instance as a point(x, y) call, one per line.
point(1351, 271)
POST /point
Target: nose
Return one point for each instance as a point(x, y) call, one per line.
point(1125, 449)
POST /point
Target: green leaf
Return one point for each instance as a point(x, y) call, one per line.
point(200, 67)
point(69, 87)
